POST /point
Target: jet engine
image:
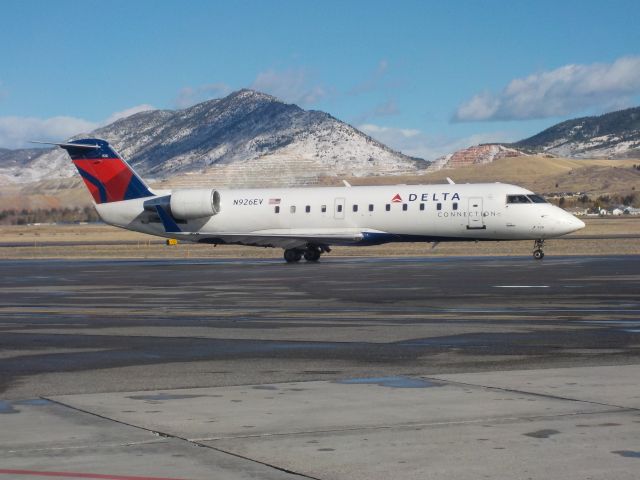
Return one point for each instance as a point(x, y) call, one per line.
point(192, 204)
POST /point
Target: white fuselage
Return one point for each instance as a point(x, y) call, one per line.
point(361, 215)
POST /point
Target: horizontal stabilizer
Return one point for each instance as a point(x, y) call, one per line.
point(69, 145)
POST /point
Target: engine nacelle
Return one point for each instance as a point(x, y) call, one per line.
point(192, 204)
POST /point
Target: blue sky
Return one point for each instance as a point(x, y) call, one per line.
point(423, 77)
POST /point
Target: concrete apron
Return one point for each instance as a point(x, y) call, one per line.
point(556, 423)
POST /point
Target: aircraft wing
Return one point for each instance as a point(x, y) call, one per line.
point(284, 238)
point(279, 237)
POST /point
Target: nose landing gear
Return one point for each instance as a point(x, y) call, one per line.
point(538, 254)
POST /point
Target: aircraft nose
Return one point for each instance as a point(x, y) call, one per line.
point(578, 224)
point(567, 223)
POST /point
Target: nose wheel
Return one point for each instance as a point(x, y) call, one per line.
point(538, 254)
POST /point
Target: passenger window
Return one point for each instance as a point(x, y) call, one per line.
point(422, 206)
point(323, 208)
point(277, 209)
point(404, 207)
point(339, 208)
point(307, 208)
point(387, 207)
point(517, 199)
point(371, 207)
point(355, 208)
point(455, 206)
point(292, 209)
point(439, 206)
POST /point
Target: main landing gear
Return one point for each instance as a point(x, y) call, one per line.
point(311, 253)
point(538, 254)
point(292, 255)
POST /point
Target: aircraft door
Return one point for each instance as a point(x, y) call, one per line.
point(338, 209)
point(476, 218)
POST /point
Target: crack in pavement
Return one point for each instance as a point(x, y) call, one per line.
point(177, 437)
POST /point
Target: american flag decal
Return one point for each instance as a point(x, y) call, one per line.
point(274, 201)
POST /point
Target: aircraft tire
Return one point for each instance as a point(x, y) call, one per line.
point(538, 254)
point(291, 255)
point(312, 254)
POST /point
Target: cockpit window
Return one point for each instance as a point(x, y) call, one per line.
point(518, 199)
point(537, 199)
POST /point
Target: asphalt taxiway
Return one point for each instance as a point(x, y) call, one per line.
point(350, 368)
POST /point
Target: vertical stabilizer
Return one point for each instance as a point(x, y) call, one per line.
point(107, 176)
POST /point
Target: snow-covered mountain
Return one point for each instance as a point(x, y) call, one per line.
point(252, 139)
point(13, 163)
point(612, 135)
point(245, 138)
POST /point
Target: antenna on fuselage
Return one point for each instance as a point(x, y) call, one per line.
point(451, 182)
point(346, 184)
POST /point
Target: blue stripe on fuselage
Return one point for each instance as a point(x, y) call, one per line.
point(168, 222)
point(377, 238)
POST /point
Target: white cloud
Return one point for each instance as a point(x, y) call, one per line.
point(16, 132)
point(390, 132)
point(566, 90)
point(291, 85)
point(128, 112)
point(191, 95)
point(418, 144)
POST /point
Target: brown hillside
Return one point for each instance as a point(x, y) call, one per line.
point(537, 173)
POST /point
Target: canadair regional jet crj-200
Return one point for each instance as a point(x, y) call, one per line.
point(306, 222)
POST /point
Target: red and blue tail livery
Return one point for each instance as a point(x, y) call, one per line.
point(107, 176)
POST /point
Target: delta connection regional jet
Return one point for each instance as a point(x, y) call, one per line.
point(306, 222)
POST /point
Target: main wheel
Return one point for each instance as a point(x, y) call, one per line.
point(291, 255)
point(538, 254)
point(312, 254)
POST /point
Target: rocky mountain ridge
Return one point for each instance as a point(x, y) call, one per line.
point(212, 137)
point(612, 135)
point(250, 139)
